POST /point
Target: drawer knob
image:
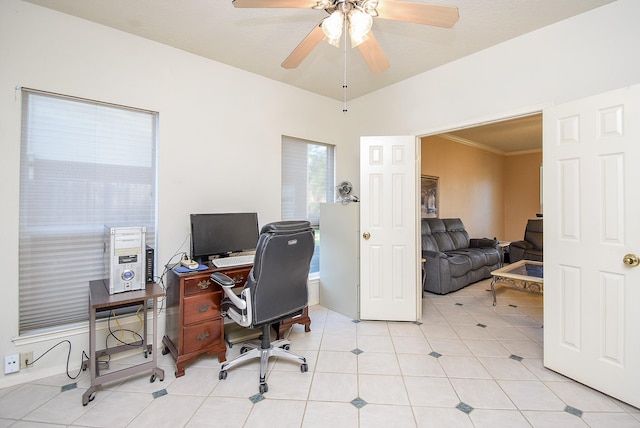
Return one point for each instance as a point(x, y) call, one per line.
point(203, 336)
point(203, 308)
point(204, 284)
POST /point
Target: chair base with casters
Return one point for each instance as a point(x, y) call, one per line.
point(264, 350)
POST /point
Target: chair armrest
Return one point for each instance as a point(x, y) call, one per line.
point(227, 285)
point(521, 244)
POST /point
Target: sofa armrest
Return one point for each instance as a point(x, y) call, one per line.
point(483, 243)
point(426, 254)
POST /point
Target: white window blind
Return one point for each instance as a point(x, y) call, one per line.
point(307, 181)
point(84, 165)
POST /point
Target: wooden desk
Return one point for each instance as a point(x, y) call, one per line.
point(101, 300)
point(194, 320)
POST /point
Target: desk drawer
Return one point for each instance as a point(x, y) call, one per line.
point(202, 307)
point(239, 276)
point(201, 336)
point(198, 284)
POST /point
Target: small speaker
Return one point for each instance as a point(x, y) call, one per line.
point(148, 266)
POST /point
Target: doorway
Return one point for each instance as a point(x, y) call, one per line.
point(488, 174)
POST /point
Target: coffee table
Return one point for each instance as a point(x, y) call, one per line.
point(524, 274)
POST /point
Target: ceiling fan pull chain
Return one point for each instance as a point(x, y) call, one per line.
point(344, 82)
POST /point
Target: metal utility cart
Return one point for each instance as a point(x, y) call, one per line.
point(101, 300)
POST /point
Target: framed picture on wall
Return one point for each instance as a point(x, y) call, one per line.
point(428, 196)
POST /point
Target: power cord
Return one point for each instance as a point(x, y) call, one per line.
point(84, 357)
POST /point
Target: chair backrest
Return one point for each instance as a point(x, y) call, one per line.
point(278, 280)
point(443, 234)
point(533, 233)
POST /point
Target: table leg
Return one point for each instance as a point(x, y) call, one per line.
point(493, 290)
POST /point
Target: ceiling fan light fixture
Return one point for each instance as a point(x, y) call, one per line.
point(359, 23)
point(356, 38)
point(332, 28)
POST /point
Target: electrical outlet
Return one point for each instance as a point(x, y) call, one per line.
point(26, 357)
point(11, 363)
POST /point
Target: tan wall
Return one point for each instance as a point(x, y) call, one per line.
point(493, 194)
point(470, 184)
point(521, 192)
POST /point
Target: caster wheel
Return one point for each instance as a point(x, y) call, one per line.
point(263, 388)
point(286, 347)
point(153, 378)
point(304, 367)
point(222, 375)
point(243, 349)
point(90, 399)
point(165, 350)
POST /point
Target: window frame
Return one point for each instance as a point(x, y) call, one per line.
point(60, 249)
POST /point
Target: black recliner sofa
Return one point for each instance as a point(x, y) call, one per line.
point(452, 259)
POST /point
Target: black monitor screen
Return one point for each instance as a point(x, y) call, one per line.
point(222, 234)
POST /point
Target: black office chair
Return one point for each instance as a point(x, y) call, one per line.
point(276, 289)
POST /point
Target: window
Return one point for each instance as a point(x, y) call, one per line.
point(84, 165)
point(307, 181)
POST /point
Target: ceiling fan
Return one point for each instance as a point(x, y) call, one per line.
point(356, 16)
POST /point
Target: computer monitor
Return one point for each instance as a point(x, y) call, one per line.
point(221, 234)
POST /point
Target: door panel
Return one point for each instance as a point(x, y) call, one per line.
point(389, 288)
point(592, 211)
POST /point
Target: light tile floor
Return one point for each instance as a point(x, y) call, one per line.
point(466, 364)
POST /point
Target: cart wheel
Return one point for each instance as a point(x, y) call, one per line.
point(222, 375)
point(153, 378)
point(263, 388)
point(146, 353)
point(165, 350)
point(304, 367)
point(90, 399)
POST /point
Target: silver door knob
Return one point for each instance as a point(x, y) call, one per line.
point(631, 260)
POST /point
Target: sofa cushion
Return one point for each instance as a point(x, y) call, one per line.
point(459, 264)
point(493, 256)
point(439, 233)
point(456, 232)
point(477, 258)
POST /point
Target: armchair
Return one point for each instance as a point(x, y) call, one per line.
point(530, 248)
point(276, 289)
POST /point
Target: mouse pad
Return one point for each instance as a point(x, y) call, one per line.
point(184, 269)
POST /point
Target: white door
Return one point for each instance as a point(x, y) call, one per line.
point(592, 217)
point(389, 288)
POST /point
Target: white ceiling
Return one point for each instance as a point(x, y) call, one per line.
point(258, 40)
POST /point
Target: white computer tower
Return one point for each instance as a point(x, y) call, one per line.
point(125, 258)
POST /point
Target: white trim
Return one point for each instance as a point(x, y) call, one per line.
point(514, 114)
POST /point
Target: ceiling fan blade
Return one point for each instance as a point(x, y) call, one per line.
point(275, 3)
point(304, 48)
point(373, 54)
point(418, 13)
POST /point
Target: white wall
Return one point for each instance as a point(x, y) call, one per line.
point(585, 55)
point(217, 125)
point(233, 120)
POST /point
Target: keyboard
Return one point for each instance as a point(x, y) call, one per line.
point(233, 261)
